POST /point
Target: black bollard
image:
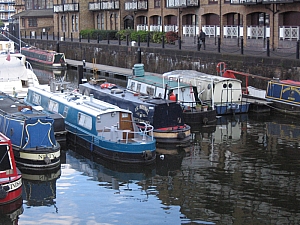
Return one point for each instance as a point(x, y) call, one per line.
point(242, 46)
point(80, 74)
point(297, 50)
point(139, 55)
point(148, 40)
point(57, 46)
point(268, 47)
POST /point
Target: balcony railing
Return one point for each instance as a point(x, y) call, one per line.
point(58, 8)
point(277, 1)
point(176, 3)
point(70, 7)
point(136, 6)
point(245, 2)
point(97, 6)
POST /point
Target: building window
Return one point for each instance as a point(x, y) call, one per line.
point(63, 24)
point(29, 4)
point(99, 21)
point(32, 22)
point(156, 3)
point(73, 23)
point(117, 21)
point(76, 23)
point(23, 22)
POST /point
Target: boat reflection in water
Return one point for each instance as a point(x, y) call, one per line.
point(39, 189)
point(9, 213)
point(103, 170)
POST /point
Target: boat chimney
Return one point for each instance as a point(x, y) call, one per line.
point(91, 97)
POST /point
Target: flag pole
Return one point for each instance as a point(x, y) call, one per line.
point(20, 43)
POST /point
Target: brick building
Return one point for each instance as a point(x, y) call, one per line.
point(250, 19)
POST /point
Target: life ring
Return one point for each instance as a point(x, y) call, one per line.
point(221, 67)
point(107, 85)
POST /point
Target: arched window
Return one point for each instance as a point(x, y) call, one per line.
point(63, 23)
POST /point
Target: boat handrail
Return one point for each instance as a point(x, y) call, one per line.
point(28, 65)
point(147, 131)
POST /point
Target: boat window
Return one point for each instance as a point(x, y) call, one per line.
point(224, 85)
point(132, 85)
point(85, 121)
point(65, 113)
point(124, 115)
point(36, 99)
point(138, 88)
point(4, 155)
point(150, 91)
point(230, 85)
point(53, 106)
point(209, 86)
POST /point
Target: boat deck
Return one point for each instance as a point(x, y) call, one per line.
point(11, 105)
point(258, 105)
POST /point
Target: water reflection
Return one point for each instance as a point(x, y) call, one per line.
point(9, 213)
point(39, 188)
point(245, 169)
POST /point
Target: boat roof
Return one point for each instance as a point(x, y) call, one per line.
point(196, 74)
point(289, 82)
point(12, 69)
point(159, 81)
point(128, 95)
point(38, 50)
point(86, 104)
point(13, 106)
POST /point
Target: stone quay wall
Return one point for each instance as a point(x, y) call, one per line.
point(160, 60)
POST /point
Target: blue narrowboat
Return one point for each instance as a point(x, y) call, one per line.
point(164, 115)
point(98, 126)
point(31, 133)
point(285, 96)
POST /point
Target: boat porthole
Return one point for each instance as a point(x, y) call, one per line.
point(230, 85)
point(11, 132)
point(224, 85)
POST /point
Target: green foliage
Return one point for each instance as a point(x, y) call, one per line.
point(1, 23)
point(123, 33)
point(157, 37)
point(142, 34)
point(103, 34)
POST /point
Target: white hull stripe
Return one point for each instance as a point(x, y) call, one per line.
point(36, 156)
point(14, 185)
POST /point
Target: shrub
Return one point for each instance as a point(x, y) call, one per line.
point(171, 37)
point(143, 35)
point(156, 37)
point(103, 34)
point(123, 33)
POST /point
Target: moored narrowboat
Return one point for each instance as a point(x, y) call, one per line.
point(222, 93)
point(47, 58)
point(10, 176)
point(285, 96)
point(31, 133)
point(98, 126)
point(166, 116)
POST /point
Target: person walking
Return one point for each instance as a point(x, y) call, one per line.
point(202, 38)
